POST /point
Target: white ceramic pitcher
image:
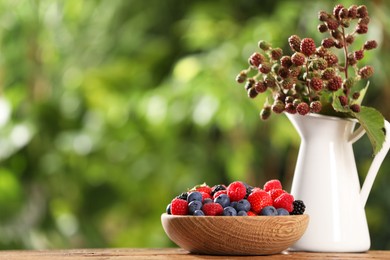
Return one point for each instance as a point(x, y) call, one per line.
point(326, 179)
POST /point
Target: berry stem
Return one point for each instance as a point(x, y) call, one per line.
point(345, 53)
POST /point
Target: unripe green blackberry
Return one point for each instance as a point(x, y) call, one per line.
point(256, 59)
point(316, 84)
point(277, 106)
point(315, 106)
point(308, 46)
point(328, 73)
point(328, 43)
point(321, 64)
point(286, 62)
point(366, 72)
point(296, 102)
point(369, 45)
point(298, 59)
point(265, 113)
point(276, 53)
point(322, 28)
point(343, 100)
point(358, 54)
point(264, 45)
point(345, 23)
point(335, 83)
point(249, 83)
point(295, 42)
point(348, 83)
point(290, 108)
point(252, 93)
point(303, 108)
point(362, 11)
point(352, 11)
point(265, 67)
point(260, 87)
point(361, 29)
point(332, 24)
point(241, 77)
point(355, 108)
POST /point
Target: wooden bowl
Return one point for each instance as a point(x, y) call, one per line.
point(223, 235)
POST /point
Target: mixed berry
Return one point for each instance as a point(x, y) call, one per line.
point(236, 199)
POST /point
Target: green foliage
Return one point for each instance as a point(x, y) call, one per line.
point(115, 107)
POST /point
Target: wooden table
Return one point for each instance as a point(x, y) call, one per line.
point(171, 253)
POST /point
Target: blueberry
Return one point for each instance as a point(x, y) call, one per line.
point(242, 213)
point(168, 210)
point(207, 200)
point(198, 212)
point(243, 205)
point(233, 204)
point(223, 199)
point(269, 211)
point(229, 211)
point(195, 195)
point(193, 206)
point(282, 212)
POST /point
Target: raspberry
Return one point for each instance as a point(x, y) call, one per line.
point(217, 193)
point(258, 200)
point(212, 209)
point(298, 59)
point(352, 11)
point(236, 191)
point(316, 84)
point(369, 45)
point(358, 54)
point(256, 59)
point(362, 11)
point(179, 207)
point(366, 72)
point(285, 201)
point(335, 83)
point(260, 87)
point(276, 53)
point(308, 47)
point(361, 29)
point(275, 193)
point(241, 77)
point(322, 28)
point(295, 42)
point(251, 214)
point(303, 108)
point(332, 24)
point(265, 68)
point(355, 108)
point(290, 108)
point(328, 74)
point(202, 188)
point(315, 106)
point(272, 184)
point(328, 43)
point(343, 100)
point(205, 195)
point(299, 207)
point(286, 61)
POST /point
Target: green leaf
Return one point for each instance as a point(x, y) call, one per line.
point(373, 122)
point(337, 104)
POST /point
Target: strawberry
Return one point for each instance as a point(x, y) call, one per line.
point(285, 201)
point(212, 209)
point(219, 193)
point(179, 207)
point(275, 193)
point(202, 188)
point(236, 191)
point(258, 200)
point(272, 184)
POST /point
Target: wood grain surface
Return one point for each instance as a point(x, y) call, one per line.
point(173, 253)
point(260, 235)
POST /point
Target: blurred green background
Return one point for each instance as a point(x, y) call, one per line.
point(109, 109)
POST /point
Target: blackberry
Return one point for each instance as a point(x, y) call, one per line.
point(295, 42)
point(369, 45)
point(316, 84)
point(260, 87)
point(286, 61)
point(358, 54)
point(361, 29)
point(299, 207)
point(366, 72)
point(303, 108)
point(352, 11)
point(315, 106)
point(216, 188)
point(298, 59)
point(355, 108)
point(183, 196)
point(308, 46)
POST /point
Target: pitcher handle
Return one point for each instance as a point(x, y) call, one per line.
point(375, 165)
